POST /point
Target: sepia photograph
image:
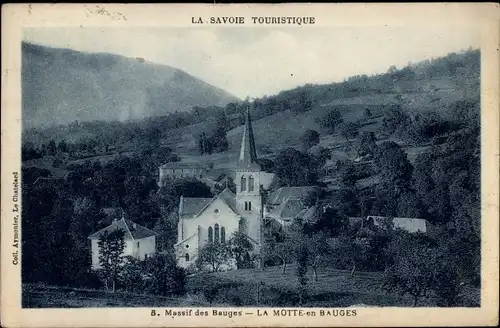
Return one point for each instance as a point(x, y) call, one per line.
point(212, 168)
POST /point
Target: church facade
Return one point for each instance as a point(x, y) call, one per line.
point(203, 220)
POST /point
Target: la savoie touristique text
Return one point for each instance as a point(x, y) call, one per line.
point(256, 20)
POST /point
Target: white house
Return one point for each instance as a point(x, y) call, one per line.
point(140, 242)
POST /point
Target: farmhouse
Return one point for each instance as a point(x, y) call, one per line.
point(203, 220)
point(140, 242)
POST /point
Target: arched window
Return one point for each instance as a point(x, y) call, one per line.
point(243, 184)
point(216, 233)
point(242, 225)
point(210, 235)
point(187, 257)
point(222, 235)
point(250, 183)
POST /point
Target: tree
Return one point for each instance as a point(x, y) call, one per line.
point(328, 220)
point(412, 268)
point(309, 139)
point(395, 119)
point(347, 175)
point(266, 164)
point(321, 155)
point(283, 251)
point(447, 280)
point(318, 250)
point(331, 120)
point(367, 114)
point(351, 249)
point(62, 146)
point(349, 130)
point(215, 255)
point(219, 139)
point(111, 246)
point(295, 168)
point(164, 276)
point(394, 166)
point(241, 246)
point(302, 256)
point(367, 144)
point(205, 144)
point(392, 69)
point(201, 143)
point(51, 148)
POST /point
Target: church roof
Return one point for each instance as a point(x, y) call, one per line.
point(194, 206)
point(132, 230)
point(287, 210)
point(248, 153)
point(278, 196)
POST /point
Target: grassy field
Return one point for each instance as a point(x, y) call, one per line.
point(247, 287)
point(270, 287)
point(40, 296)
point(334, 288)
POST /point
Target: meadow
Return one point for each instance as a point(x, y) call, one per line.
point(245, 287)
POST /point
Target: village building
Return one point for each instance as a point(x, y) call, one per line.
point(411, 225)
point(179, 170)
point(140, 242)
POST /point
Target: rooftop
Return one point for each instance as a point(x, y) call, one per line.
point(132, 230)
point(278, 196)
point(193, 206)
point(287, 210)
point(408, 224)
point(183, 165)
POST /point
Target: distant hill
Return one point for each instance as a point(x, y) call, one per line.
point(61, 85)
point(431, 86)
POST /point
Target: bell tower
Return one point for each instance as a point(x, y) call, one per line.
point(248, 196)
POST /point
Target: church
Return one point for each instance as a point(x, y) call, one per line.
point(203, 220)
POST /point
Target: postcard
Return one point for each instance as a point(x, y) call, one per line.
point(244, 165)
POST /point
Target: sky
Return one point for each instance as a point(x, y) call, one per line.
point(263, 61)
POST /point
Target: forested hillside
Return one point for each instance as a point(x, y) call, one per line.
point(60, 86)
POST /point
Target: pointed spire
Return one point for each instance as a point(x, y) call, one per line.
point(248, 154)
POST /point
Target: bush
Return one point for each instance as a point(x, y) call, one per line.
point(309, 139)
point(132, 275)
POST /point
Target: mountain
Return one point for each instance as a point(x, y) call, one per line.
point(61, 85)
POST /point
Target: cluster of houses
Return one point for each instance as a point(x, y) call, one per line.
point(204, 220)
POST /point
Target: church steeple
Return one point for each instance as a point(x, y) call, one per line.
point(248, 153)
